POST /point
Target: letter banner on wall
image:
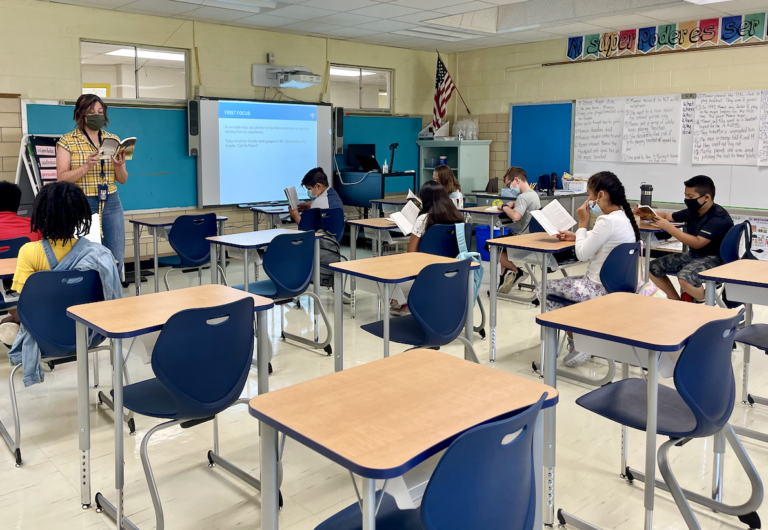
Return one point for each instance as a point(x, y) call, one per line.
point(726, 31)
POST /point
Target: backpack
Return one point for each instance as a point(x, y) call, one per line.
point(330, 252)
point(473, 256)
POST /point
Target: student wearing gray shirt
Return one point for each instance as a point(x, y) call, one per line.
point(519, 211)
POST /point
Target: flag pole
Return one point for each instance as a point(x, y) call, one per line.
point(456, 87)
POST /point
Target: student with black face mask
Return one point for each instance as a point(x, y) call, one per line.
point(706, 224)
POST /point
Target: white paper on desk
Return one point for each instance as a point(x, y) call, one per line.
point(406, 218)
point(492, 209)
point(553, 218)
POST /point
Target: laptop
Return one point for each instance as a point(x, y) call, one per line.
point(369, 163)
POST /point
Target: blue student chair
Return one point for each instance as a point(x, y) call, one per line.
point(698, 406)
point(730, 248)
point(619, 272)
point(289, 262)
point(188, 239)
point(441, 241)
point(201, 363)
point(438, 304)
point(330, 221)
point(42, 309)
point(484, 480)
point(9, 248)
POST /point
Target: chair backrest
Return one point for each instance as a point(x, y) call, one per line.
point(441, 240)
point(289, 261)
point(203, 357)
point(486, 478)
point(493, 185)
point(43, 305)
point(187, 238)
point(534, 226)
point(730, 248)
point(9, 248)
point(619, 272)
point(438, 300)
point(704, 375)
point(330, 221)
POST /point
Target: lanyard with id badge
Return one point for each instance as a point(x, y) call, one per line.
point(103, 186)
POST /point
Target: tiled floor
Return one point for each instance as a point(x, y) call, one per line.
point(44, 493)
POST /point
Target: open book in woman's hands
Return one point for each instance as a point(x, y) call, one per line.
point(111, 147)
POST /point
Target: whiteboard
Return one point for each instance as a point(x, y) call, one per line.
point(737, 186)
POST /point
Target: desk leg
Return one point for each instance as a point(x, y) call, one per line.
point(494, 280)
point(624, 432)
point(83, 413)
point(255, 221)
point(386, 321)
point(316, 288)
point(338, 323)
point(262, 351)
point(378, 243)
point(272, 221)
point(222, 252)
point(137, 257)
point(718, 457)
point(269, 484)
point(650, 436)
point(214, 263)
point(245, 269)
point(550, 424)
point(154, 244)
point(469, 326)
point(117, 385)
point(369, 504)
point(747, 351)
point(538, 464)
point(709, 292)
point(543, 308)
point(352, 257)
point(647, 257)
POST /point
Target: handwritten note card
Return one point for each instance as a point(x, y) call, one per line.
point(725, 129)
point(762, 140)
point(652, 127)
point(599, 125)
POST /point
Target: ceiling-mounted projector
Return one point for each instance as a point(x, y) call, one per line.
point(283, 76)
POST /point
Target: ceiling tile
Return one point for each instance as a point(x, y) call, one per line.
point(682, 14)
point(597, 8)
point(310, 25)
point(504, 2)
point(464, 8)
point(531, 35)
point(158, 7)
point(624, 22)
point(421, 16)
point(99, 4)
point(345, 19)
point(386, 26)
point(267, 21)
point(214, 14)
point(574, 29)
point(427, 4)
point(350, 32)
point(738, 7)
point(385, 11)
point(339, 5)
point(379, 38)
point(301, 12)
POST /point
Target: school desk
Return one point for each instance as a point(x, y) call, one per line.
point(252, 241)
point(125, 318)
point(270, 213)
point(481, 216)
point(7, 268)
point(155, 223)
point(542, 246)
point(746, 281)
point(378, 204)
point(380, 419)
point(632, 329)
point(388, 271)
point(379, 225)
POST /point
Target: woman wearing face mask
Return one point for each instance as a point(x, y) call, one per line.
point(616, 225)
point(77, 161)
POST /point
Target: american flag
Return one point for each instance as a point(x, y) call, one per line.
point(444, 87)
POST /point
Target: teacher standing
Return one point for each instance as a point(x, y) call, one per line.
point(77, 161)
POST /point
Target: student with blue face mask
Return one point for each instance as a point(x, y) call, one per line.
point(615, 225)
point(319, 192)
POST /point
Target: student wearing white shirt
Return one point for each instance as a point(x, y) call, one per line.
point(444, 175)
point(614, 226)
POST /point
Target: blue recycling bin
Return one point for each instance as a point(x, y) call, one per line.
point(481, 236)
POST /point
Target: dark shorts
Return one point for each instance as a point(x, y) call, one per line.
point(685, 266)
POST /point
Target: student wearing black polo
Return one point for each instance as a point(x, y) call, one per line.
point(706, 224)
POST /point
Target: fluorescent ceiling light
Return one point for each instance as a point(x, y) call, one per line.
point(521, 28)
point(146, 54)
point(344, 72)
point(704, 2)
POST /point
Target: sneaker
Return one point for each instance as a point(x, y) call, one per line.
point(574, 358)
point(511, 281)
point(8, 332)
point(399, 311)
point(520, 277)
point(690, 299)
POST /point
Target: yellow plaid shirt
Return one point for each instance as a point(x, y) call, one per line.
point(81, 148)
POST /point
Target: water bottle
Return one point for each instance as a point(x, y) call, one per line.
point(646, 194)
point(385, 168)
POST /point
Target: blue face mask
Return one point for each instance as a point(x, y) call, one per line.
point(310, 195)
point(595, 208)
point(515, 191)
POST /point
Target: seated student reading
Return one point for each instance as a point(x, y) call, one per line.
point(322, 196)
point(519, 211)
point(444, 175)
point(614, 226)
point(706, 224)
point(62, 215)
point(12, 226)
point(437, 209)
